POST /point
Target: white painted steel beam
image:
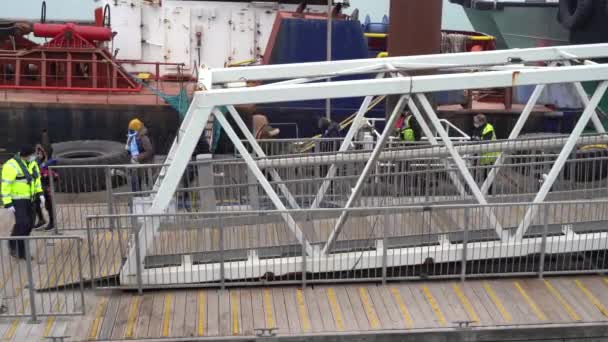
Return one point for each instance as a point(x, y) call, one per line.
point(433, 140)
point(260, 153)
point(254, 268)
point(291, 223)
point(305, 70)
point(460, 163)
point(519, 125)
point(348, 139)
point(562, 158)
point(396, 86)
point(181, 152)
point(430, 152)
point(204, 101)
point(371, 163)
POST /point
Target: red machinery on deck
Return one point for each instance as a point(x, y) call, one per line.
point(74, 59)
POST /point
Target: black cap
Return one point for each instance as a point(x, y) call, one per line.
point(26, 150)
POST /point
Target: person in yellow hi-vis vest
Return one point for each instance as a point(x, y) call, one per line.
point(409, 129)
point(21, 185)
point(484, 131)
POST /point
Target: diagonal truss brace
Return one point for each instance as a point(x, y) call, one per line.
point(350, 135)
point(460, 164)
point(253, 166)
point(523, 118)
point(366, 170)
point(260, 153)
point(561, 159)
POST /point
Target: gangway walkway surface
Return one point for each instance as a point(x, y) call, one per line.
point(353, 309)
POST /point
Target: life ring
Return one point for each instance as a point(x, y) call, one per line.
point(574, 14)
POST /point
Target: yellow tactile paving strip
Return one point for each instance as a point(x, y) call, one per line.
point(342, 308)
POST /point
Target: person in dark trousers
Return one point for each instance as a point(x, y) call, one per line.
point(44, 162)
point(329, 130)
point(139, 146)
point(484, 131)
point(190, 177)
point(409, 131)
point(21, 185)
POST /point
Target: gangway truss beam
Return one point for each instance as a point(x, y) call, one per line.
point(301, 82)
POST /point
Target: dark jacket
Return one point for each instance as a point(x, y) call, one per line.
point(478, 133)
point(144, 144)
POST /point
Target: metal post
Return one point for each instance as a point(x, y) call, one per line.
point(329, 52)
point(252, 165)
point(465, 244)
point(366, 170)
point(91, 252)
point(260, 152)
point(304, 267)
point(138, 261)
point(168, 180)
point(254, 196)
point(110, 199)
point(562, 158)
point(433, 140)
point(207, 198)
point(54, 203)
point(222, 258)
point(519, 125)
point(543, 245)
point(81, 282)
point(30, 280)
point(350, 135)
point(384, 248)
point(460, 163)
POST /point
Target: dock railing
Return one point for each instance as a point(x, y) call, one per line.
point(249, 248)
point(405, 175)
point(46, 282)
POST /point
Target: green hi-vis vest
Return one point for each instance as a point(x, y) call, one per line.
point(489, 158)
point(15, 185)
point(407, 133)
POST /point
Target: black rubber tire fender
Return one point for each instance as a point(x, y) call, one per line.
point(95, 153)
point(574, 14)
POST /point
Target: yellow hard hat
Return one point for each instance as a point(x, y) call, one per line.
point(136, 125)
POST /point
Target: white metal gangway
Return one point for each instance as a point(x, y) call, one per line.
point(300, 82)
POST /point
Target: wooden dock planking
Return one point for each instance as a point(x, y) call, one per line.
point(478, 306)
point(280, 312)
point(122, 316)
point(179, 315)
point(312, 306)
point(144, 315)
point(548, 304)
point(213, 316)
point(247, 313)
point(357, 307)
point(452, 312)
point(349, 318)
point(327, 315)
point(191, 313)
point(420, 306)
point(110, 318)
point(292, 309)
point(577, 300)
point(257, 304)
point(156, 317)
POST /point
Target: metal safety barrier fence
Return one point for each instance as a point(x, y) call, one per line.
point(46, 281)
point(407, 175)
point(377, 244)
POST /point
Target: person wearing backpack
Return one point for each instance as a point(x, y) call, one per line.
point(21, 186)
